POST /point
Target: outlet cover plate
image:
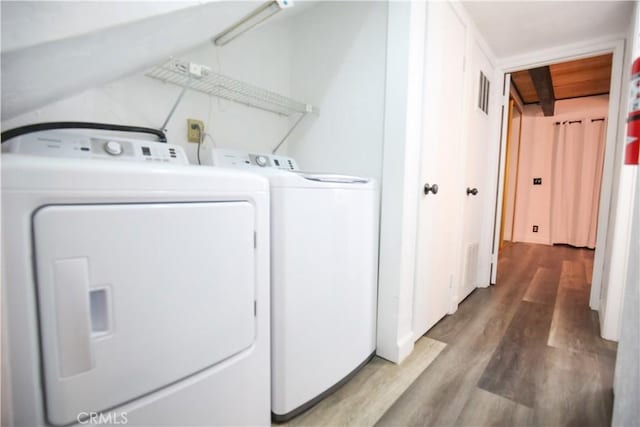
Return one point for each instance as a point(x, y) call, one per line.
point(195, 129)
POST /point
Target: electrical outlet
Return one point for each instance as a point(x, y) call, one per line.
point(535, 228)
point(537, 181)
point(195, 129)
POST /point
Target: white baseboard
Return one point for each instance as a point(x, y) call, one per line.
point(403, 348)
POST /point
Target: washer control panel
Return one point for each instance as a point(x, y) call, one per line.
point(240, 159)
point(83, 146)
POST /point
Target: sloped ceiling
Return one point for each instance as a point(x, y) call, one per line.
point(51, 65)
point(517, 27)
point(28, 23)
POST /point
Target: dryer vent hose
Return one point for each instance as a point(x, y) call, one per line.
point(37, 127)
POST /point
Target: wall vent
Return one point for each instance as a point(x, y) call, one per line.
point(483, 93)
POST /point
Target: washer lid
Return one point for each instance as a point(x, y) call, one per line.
point(294, 179)
point(343, 179)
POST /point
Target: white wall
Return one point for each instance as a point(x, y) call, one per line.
point(338, 60)
point(618, 238)
point(533, 203)
point(331, 55)
point(626, 410)
point(401, 172)
point(261, 57)
point(626, 385)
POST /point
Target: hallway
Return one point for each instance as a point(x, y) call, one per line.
point(526, 351)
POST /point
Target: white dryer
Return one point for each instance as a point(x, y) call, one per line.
point(324, 258)
point(135, 287)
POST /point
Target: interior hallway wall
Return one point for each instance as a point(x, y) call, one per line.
point(338, 63)
point(626, 384)
point(260, 57)
point(533, 203)
point(626, 410)
point(618, 262)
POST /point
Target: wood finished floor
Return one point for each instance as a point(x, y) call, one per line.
point(368, 395)
point(525, 352)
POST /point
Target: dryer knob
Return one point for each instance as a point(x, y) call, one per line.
point(261, 161)
point(113, 147)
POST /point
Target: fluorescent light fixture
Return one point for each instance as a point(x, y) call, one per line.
point(251, 20)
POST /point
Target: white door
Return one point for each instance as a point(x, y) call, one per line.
point(475, 190)
point(134, 297)
point(439, 213)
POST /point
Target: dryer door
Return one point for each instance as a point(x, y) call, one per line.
point(133, 297)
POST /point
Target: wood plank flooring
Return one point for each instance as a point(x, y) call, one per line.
point(368, 395)
point(524, 352)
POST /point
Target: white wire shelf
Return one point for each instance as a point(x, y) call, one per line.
point(177, 72)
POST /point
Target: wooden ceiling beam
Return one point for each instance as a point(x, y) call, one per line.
point(523, 84)
point(541, 77)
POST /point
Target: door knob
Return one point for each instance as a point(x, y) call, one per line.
point(433, 188)
point(473, 191)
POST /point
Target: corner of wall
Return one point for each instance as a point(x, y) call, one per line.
point(609, 276)
point(400, 169)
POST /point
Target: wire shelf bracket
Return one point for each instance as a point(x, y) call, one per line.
point(176, 71)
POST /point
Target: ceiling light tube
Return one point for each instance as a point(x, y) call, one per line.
point(248, 22)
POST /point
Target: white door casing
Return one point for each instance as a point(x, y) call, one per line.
point(607, 245)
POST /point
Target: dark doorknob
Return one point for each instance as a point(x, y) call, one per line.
point(433, 188)
point(473, 191)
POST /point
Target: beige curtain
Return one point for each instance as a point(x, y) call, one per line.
point(578, 153)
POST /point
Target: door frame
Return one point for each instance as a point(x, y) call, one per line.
point(513, 105)
point(568, 53)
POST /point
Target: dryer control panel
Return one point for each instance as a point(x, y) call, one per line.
point(241, 159)
point(87, 146)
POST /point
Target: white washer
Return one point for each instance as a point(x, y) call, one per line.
point(324, 253)
point(134, 291)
